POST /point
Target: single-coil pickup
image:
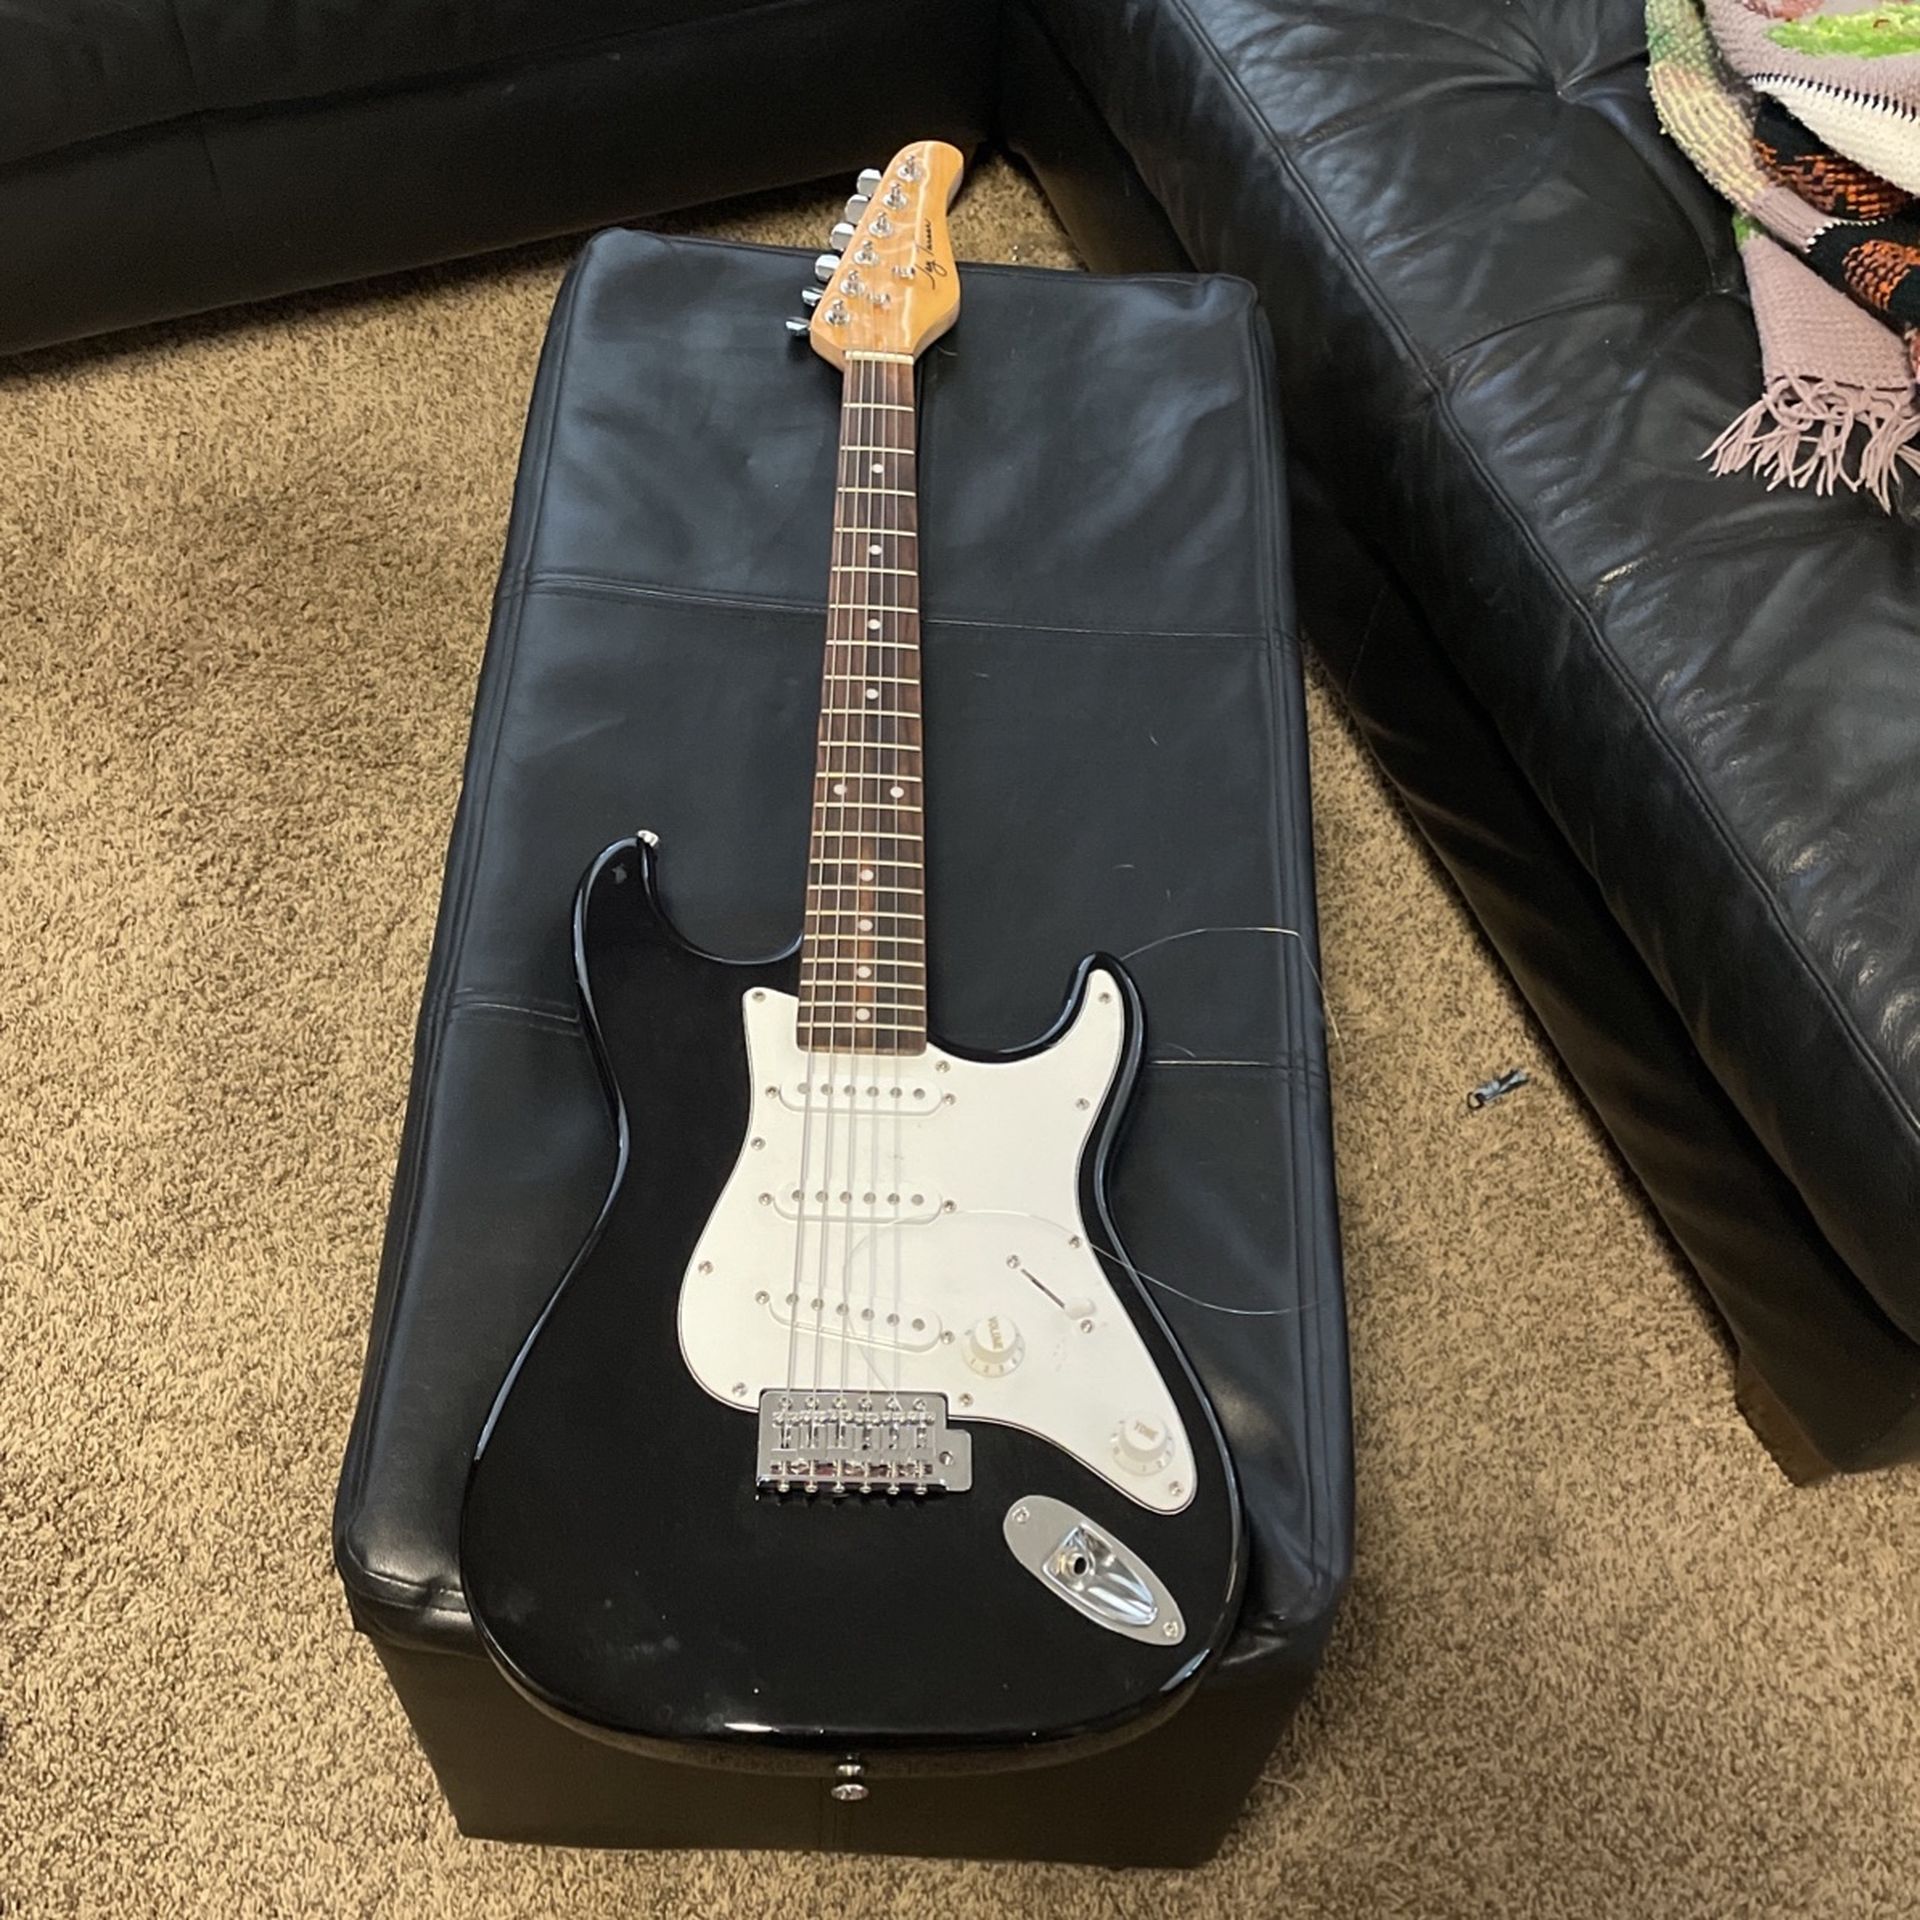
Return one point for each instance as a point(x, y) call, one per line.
point(859, 1208)
point(891, 1327)
point(864, 1096)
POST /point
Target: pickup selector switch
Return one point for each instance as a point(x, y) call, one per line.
point(994, 1346)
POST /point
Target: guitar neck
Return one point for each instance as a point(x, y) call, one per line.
point(864, 951)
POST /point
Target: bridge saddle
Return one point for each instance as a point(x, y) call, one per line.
point(823, 1441)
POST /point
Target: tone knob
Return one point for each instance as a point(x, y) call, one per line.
point(994, 1346)
point(1143, 1443)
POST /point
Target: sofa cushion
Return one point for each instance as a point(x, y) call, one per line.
point(1509, 319)
point(78, 70)
point(159, 159)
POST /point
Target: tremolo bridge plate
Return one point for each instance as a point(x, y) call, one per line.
point(827, 1441)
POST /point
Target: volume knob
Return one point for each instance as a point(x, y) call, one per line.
point(1143, 1443)
point(994, 1346)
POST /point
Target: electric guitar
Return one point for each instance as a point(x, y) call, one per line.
point(851, 1442)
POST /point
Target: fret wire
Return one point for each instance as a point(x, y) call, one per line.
point(843, 961)
point(865, 1026)
point(906, 973)
point(844, 991)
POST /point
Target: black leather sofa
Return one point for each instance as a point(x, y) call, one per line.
point(1661, 727)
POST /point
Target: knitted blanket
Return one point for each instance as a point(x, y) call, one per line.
point(1805, 114)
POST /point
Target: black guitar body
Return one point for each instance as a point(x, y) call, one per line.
point(625, 1572)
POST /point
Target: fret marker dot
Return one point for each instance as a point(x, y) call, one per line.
point(865, 926)
point(875, 549)
point(873, 693)
point(861, 1013)
point(863, 973)
point(839, 786)
point(873, 626)
point(866, 873)
point(897, 793)
point(878, 467)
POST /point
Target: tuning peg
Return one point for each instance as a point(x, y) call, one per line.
point(857, 206)
point(809, 296)
point(840, 235)
point(825, 267)
point(796, 325)
point(870, 177)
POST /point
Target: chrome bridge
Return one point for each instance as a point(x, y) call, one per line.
point(826, 1441)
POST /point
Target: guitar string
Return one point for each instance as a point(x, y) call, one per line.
point(850, 593)
point(860, 412)
point(894, 662)
point(852, 435)
point(859, 578)
point(882, 657)
point(820, 953)
point(864, 434)
point(832, 696)
point(896, 522)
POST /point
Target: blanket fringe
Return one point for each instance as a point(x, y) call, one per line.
point(1823, 434)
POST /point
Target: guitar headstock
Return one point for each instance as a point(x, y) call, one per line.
point(892, 287)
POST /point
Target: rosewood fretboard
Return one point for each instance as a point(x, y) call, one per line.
point(863, 963)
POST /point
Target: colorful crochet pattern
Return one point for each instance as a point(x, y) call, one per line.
point(1829, 226)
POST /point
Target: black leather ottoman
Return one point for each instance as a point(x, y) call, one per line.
point(1115, 743)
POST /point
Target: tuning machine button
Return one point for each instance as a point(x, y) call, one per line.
point(809, 296)
point(870, 177)
point(1143, 1443)
point(857, 206)
point(841, 233)
point(797, 324)
point(825, 266)
point(994, 1346)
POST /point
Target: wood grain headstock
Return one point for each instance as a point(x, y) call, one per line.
point(893, 287)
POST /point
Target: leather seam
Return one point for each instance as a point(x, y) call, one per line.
point(536, 581)
point(1396, 330)
point(1619, 298)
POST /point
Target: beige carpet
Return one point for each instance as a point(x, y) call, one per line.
point(1599, 1659)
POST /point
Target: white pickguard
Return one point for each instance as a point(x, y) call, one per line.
point(948, 1253)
